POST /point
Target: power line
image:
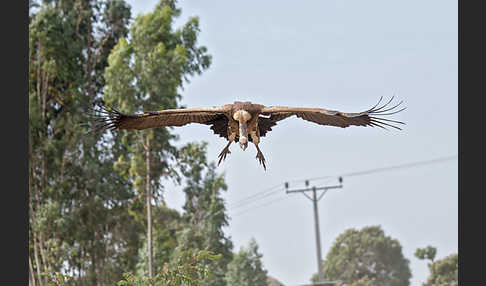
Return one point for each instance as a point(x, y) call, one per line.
point(267, 192)
point(270, 191)
point(407, 165)
point(260, 206)
point(256, 196)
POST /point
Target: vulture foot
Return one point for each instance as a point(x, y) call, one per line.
point(260, 157)
point(223, 153)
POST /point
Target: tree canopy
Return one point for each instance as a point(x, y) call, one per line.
point(246, 268)
point(87, 221)
point(443, 271)
point(366, 257)
point(428, 252)
point(146, 72)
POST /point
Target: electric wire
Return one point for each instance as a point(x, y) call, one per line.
point(270, 191)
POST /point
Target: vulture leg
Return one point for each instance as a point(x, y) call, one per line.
point(224, 152)
point(260, 157)
point(232, 129)
point(255, 137)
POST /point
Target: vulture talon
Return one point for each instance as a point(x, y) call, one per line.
point(223, 154)
point(261, 158)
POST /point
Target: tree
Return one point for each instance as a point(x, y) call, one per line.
point(366, 257)
point(145, 73)
point(426, 253)
point(85, 207)
point(189, 270)
point(204, 212)
point(246, 268)
point(76, 201)
point(443, 272)
point(167, 222)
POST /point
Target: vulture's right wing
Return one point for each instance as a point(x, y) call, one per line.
point(265, 124)
point(321, 116)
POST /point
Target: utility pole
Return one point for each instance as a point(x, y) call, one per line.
point(314, 200)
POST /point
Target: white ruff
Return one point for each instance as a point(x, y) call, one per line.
point(242, 115)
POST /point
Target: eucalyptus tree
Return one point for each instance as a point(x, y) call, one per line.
point(204, 215)
point(75, 196)
point(146, 72)
point(246, 267)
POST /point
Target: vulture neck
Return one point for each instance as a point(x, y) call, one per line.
point(242, 116)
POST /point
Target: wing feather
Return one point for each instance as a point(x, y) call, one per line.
point(219, 125)
point(110, 118)
point(265, 124)
point(370, 117)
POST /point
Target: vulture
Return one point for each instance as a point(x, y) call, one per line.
point(245, 122)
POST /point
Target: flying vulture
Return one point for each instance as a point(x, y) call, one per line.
point(245, 122)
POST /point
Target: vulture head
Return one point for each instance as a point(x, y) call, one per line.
point(242, 116)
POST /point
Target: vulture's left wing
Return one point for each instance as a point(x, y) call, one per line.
point(370, 117)
point(113, 119)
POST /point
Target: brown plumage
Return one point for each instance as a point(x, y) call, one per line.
point(245, 122)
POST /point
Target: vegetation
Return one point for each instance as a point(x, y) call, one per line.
point(87, 220)
point(188, 270)
point(443, 271)
point(79, 220)
point(366, 257)
point(246, 268)
point(426, 253)
point(145, 74)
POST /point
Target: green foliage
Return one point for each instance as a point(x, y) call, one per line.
point(366, 257)
point(167, 222)
point(204, 212)
point(145, 73)
point(84, 214)
point(86, 190)
point(190, 269)
point(56, 279)
point(426, 253)
point(443, 272)
point(363, 281)
point(246, 268)
point(76, 200)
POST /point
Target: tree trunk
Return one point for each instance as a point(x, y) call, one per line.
point(32, 186)
point(37, 261)
point(36, 246)
point(31, 273)
point(149, 210)
point(45, 262)
point(90, 64)
point(98, 263)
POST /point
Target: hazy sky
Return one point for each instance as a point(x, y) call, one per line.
point(341, 55)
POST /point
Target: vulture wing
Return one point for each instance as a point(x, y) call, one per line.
point(116, 120)
point(219, 125)
point(370, 117)
point(265, 124)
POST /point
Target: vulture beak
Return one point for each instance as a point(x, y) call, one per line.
point(243, 143)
